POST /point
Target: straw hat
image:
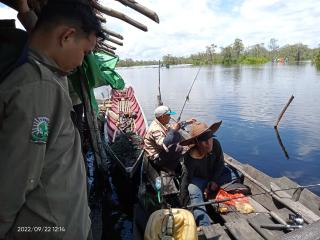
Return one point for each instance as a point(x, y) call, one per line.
point(199, 129)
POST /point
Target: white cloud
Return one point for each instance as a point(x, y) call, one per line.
point(187, 26)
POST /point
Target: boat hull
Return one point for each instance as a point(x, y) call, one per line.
point(125, 102)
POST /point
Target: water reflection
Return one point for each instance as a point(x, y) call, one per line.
point(281, 144)
point(248, 99)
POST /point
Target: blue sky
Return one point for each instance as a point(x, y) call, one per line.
point(188, 26)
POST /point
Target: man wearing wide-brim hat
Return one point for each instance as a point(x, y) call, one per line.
point(206, 169)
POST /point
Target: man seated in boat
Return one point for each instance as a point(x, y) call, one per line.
point(161, 140)
point(205, 165)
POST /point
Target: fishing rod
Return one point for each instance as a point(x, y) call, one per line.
point(212, 202)
point(187, 97)
point(160, 103)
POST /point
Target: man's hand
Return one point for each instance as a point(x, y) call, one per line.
point(213, 186)
point(210, 189)
point(175, 126)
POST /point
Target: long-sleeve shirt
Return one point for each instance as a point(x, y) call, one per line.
point(210, 167)
point(153, 140)
point(43, 191)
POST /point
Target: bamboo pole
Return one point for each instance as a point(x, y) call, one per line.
point(112, 33)
point(119, 15)
point(108, 46)
point(283, 111)
point(160, 103)
point(105, 49)
point(141, 9)
point(102, 19)
point(108, 38)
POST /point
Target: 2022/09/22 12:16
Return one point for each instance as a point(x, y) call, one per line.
point(41, 229)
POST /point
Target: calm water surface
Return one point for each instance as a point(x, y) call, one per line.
point(248, 99)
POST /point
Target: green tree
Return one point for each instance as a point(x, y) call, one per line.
point(317, 60)
point(296, 52)
point(227, 57)
point(237, 47)
point(274, 47)
point(210, 51)
point(257, 50)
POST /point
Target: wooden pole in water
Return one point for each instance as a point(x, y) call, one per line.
point(160, 103)
point(283, 111)
point(281, 144)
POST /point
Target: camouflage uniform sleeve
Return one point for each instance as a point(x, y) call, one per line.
point(26, 112)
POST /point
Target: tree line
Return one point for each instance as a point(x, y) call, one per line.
point(237, 53)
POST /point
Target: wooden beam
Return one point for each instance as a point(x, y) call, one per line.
point(108, 38)
point(112, 33)
point(102, 19)
point(108, 46)
point(119, 15)
point(283, 111)
point(105, 49)
point(141, 9)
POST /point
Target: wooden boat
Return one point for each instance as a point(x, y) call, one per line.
point(271, 208)
point(125, 105)
point(125, 126)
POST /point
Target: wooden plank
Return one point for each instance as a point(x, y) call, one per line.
point(230, 216)
point(307, 198)
point(215, 232)
point(305, 212)
point(283, 213)
point(308, 232)
point(257, 181)
point(234, 215)
point(262, 180)
point(257, 206)
point(261, 219)
point(241, 230)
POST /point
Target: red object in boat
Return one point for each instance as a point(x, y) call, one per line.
point(125, 105)
point(234, 197)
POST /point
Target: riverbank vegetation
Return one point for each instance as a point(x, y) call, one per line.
point(316, 59)
point(238, 53)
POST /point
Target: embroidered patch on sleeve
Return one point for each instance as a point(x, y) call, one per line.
point(40, 130)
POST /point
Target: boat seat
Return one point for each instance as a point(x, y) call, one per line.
point(124, 106)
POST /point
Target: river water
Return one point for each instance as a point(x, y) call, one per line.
point(248, 99)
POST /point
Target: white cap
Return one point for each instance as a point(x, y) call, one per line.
point(161, 110)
